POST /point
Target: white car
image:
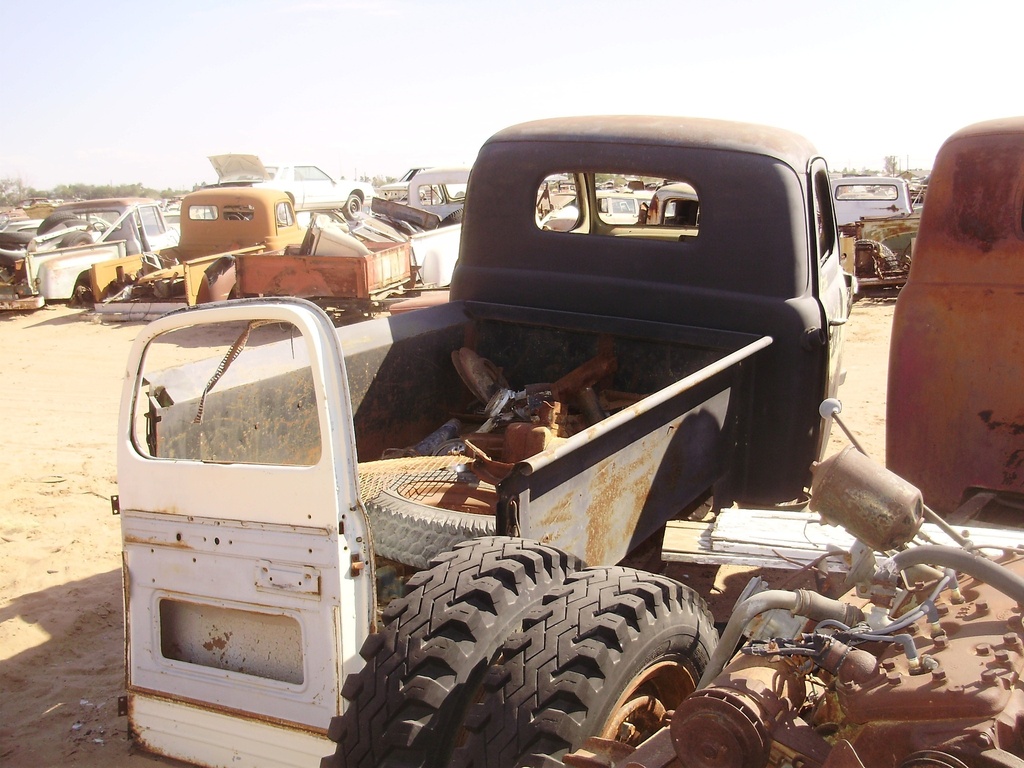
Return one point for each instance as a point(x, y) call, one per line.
point(614, 207)
point(309, 186)
point(437, 190)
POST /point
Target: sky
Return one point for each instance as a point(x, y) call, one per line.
point(111, 92)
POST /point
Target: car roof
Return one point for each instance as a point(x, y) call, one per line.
point(105, 203)
point(222, 195)
point(786, 146)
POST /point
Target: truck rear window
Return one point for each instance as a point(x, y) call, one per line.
point(618, 205)
point(202, 212)
point(866, 192)
point(228, 393)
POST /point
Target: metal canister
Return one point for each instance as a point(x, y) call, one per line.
point(430, 443)
point(877, 506)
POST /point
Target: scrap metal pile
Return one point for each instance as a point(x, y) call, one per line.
point(425, 498)
point(504, 425)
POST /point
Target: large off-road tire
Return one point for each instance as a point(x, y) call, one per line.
point(425, 666)
point(608, 655)
point(74, 238)
point(60, 219)
point(81, 294)
point(16, 241)
point(455, 217)
point(412, 533)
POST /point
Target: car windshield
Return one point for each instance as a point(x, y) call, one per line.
point(99, 219)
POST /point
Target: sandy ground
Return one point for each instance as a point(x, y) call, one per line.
point(61, 613)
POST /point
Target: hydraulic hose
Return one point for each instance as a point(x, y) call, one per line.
point(800, 603)
point(963, 561)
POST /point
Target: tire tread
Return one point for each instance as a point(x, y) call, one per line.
point(544, 696)
point(435, 645)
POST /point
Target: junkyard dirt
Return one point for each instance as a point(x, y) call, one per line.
point(61, 613)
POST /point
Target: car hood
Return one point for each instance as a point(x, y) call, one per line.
point(239, 168)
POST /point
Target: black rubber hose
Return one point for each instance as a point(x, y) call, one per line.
point(992, 573)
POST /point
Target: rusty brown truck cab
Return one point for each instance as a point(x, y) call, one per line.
point(955, 414)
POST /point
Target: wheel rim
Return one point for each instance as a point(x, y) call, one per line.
point(642, 708)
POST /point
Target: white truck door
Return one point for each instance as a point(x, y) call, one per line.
point(248, 576)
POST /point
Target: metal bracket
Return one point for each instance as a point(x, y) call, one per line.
point(358, 566)
point(115, 505)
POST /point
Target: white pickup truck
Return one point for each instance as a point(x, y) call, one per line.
point(57, 261)
point(309, 186)
point(436, 190)
point(859, 196)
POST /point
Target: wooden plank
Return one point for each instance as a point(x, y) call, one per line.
point(786, 539)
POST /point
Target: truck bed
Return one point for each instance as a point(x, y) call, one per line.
point(354, 279)
point(594, 488)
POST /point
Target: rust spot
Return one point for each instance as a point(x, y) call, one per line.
point(618, 494)
point(1014, 428)
point(151, 541)
point(1012, 467)
point(220, 643)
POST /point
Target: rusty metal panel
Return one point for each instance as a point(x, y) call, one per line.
point(313, 277)
point(634, 470)
point(955, 414)
point(156, 725)
point(115, 271)
point(895, 232)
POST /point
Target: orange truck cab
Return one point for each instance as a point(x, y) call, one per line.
point(955, 407)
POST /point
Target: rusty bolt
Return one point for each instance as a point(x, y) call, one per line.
point(983, 649)
point(893, 678)
point(888, 664)
point(939, 675)
point(988, 676)
point(984, 740)
point(1012, 639)
point(981, 606)
point(1003, 657)
point(942, 609)
point(941, 641)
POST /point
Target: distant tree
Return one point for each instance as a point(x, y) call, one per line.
point(892, 165)
point(95, 192)
point(865, 171)
point(13, 191)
